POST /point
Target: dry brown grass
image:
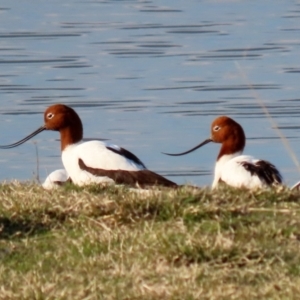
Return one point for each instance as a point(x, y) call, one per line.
point(110, 243)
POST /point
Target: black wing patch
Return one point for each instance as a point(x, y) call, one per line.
point(142, 178)
point(127, 154)
point(264, 170)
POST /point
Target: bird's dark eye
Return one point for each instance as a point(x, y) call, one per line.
point(217, 128)
point(50, 116)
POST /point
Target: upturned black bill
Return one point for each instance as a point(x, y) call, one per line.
point(42, 128)
point(191, 150)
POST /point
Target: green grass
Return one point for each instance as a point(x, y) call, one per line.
point(112, 243)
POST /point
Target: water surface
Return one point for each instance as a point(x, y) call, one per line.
point(150, 76)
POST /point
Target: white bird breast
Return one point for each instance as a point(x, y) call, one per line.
point(231, 171)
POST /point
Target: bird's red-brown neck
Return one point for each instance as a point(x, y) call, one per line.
point(70, 135)
point(234, 141)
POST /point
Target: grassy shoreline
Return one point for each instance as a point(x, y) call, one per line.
point(111, 243)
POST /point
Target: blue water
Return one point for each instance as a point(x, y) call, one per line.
point(150, 76)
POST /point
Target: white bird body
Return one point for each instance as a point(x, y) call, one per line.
point(231, 171)
point(97, 155)
point(55, 179)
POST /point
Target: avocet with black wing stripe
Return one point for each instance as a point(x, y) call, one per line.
point(232, 167)
point(93, 161)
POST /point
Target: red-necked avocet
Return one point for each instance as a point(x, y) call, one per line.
point(93, 161)
point(56, 179)
point(232, 167)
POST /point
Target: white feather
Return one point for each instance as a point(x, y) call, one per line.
point(95, 155)
point(229, 169)
point(56, 176)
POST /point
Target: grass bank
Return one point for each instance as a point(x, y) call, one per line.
point(110, 243)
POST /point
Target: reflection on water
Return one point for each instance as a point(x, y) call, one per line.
point(150, 76)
